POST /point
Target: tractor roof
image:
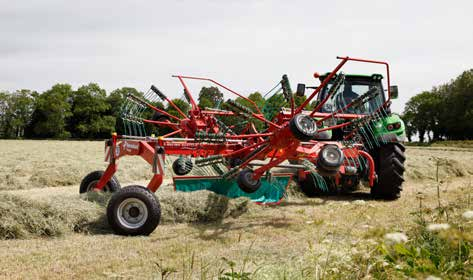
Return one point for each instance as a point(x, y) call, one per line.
point(322, 77)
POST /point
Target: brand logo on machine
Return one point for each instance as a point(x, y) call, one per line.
point(128, 146)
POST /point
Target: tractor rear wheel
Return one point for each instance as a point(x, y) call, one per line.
point(134, 210)
point(389, 164)
point(246, 182)
point(89, 182)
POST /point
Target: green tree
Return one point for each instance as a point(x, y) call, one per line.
point(444, 112)
point(51, 111)
point(258, 99)
point(417, 110)
point(89, 113)
point(181, 104)
point(18, 107)
point(117, 97)
point(458, 107)
point(210, 97)
point(3, 113)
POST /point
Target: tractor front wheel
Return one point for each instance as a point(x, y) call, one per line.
point(90, 181)
point(134, 210)
point(389, 162)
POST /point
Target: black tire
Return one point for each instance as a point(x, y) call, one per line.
point(89, 182)
point(246, 182)
point(134, 210)
point(303, 127)
point(325, 161)
point(182, 166)
point(310, 188)
point(389, 163)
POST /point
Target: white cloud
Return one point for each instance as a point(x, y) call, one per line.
point(246, 44)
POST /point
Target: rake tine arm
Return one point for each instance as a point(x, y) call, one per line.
point(172, 133)
point(220, 85)
point(188, 93)
point(249, 135)
point(164, 98)
point(335, 126)
point(245, 149)
point(370, 94)
point(263, 151)
point(154, 108)
point(319, 88)
point(161, 123)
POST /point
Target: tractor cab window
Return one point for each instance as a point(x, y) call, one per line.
point(348, 92)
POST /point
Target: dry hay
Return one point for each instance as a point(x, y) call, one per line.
point(427, 168)
point(22, 217)
point(200, 207)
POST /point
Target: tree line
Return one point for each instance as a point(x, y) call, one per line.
point(443, 113)
point(87, 112)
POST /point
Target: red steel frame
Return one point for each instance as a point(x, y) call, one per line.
point(277, 144)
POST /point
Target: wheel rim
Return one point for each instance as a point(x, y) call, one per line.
point(91, 186)
point(132, 213)
point(307, 125)
point(249, 179)
point(332, 156)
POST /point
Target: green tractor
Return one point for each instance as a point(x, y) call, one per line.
point(381, 134)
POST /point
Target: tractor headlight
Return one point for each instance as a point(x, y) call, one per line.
point(393, 126)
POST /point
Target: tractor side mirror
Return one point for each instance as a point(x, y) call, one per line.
point(300, 89)
point(394, 92)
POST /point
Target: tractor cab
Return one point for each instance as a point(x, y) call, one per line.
point(353, 87)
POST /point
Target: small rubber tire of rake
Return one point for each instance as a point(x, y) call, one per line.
point(303, 127)
point(246, 182)
point(145, 201)
point(91, 179)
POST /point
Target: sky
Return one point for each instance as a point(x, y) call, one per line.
point(246, 45)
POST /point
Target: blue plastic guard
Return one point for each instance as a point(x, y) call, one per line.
point(272, 190)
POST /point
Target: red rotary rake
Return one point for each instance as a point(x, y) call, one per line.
point(245, 156)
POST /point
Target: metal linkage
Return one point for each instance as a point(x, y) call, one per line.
point(241, 109)
point(223, 127)
point(231, 173)
point(202, 136)
point(286, 88)
point(210, 160)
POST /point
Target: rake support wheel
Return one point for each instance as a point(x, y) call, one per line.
point(91, 179)
point(303, 127)
point(134, 210)
point(246, 182)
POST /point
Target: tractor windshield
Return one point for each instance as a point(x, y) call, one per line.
point(353, 87)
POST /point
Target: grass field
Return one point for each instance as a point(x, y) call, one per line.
point(48, 231)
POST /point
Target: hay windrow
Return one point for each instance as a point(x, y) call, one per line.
point(22, 218)
point(200, 207)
